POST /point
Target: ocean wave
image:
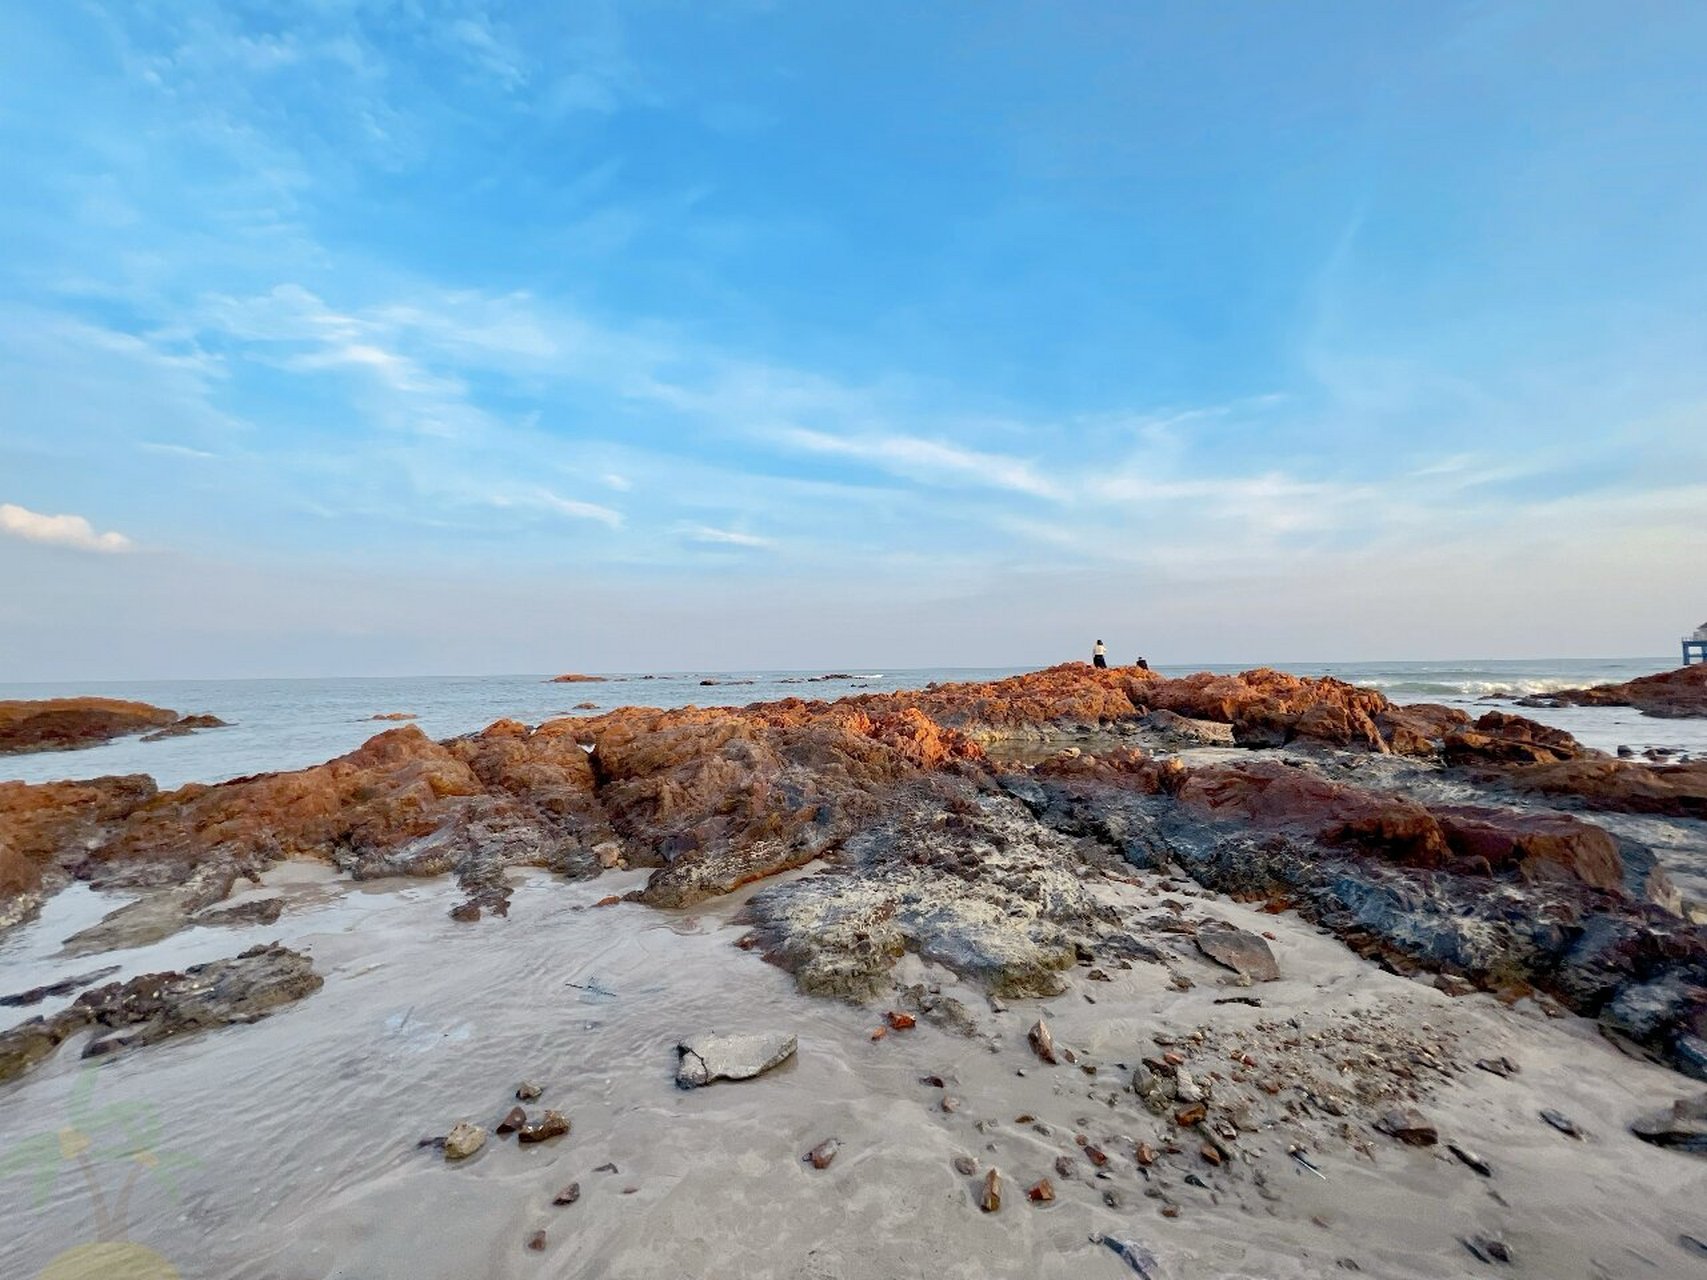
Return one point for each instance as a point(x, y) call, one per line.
point(1470, 688)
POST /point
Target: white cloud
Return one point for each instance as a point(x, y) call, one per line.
point(929, 461)
point(726, 537)
point(59, 531)
point(174, 450)
point(572, 507)
point(622, 484)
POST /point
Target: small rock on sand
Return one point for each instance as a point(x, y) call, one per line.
point(536, 1241)
point(1242, 952)
point(528, 1091)
point(1041, 1192)
point(553, 1124)
point(513, 1119)
point(1682, 1125)
point(990, 1198)
point(569, 1195)
point(710, 1057)
point(463, 1141)
point(821, 1155)
point(1043, 1041)
point(965, 1165)
point(1409, 1126)
point(1135, 1255)
point(1562, 1123)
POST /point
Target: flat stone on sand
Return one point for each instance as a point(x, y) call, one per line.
point(709, 1057)
point(1242, 952)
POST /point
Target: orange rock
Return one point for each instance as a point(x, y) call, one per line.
point(610, 900)
point(60, 724)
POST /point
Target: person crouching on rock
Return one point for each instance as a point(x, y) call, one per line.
point(1142, 665)
point(1099, 655)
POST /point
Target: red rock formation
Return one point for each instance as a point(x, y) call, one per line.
point(39, 824)
point(1499, 738)
point(61, 724)
point(1678, 693)
point(1623, 786)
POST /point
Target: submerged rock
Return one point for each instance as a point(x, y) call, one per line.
point(705, 1058)
point(463, 1141)
point(821, 1155)
point(64, 724)
point(160, 1006)
point(553, 1124)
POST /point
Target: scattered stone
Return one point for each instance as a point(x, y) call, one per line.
point(1255, 1002)
point(463, 1141)
point(1470, 1158)
point(990, 1198)
point(527, 1091)
point(609, 900)
point(1682, 1125)
point(1043, 1041)
point(1498, 1066)
point(1135, 1255)
point(1188, 1117)
point(900, 1021)
point(1409, 1126)
point(1146, 1155)
point(1041, 1192)
point(607, 1167)
point(879, 1033)
point(569, 1195)
point(513, 1120)
point(1244, 953)
point(950, 1105)
point(1066, 1167)
point(935, 1082)
point(1210, 1152)
point(553, 1124)
point(1562, 1124)
point(821, 1155)
point(1096, 1155)
point(1487, 1250)
point(536, 1241)
point(1113, 1199)
point(710, 1057)
point(965, 1165)
point(1692, 1244)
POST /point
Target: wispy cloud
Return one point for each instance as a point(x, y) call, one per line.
point(726, 537)
point(59, 531)
point(928, 461)
point(544, 499)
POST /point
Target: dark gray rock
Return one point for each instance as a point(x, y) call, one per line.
point(1682, 1125)
point(705, 1058)
point(1244, 953)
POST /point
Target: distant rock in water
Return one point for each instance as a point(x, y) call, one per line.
point(394, 715)
point(1670, 694)
point(575, 678)
point(64, 724)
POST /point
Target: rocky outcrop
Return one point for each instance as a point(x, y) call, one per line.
point(1618, 786)
point(1673, 694)
point(1502, 739)
point(1507, 900)
point(160, 1006)
point(63, 724)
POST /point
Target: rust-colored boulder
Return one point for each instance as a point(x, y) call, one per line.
point(1678, 693)
point(55, 821)
point(63, 724)
point(1499, 738)
point(1619, 786)
point(1536, 844)
point(1273, 795)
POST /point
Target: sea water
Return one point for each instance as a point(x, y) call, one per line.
point(290, 724)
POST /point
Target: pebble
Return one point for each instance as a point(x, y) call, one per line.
point(965, 1165)
point(553, 1124)
point(536, 1241)
point(900, 1021)
point(990, 1198)
point(513, 1119)
point(1487, 1250)
point(607, 1168)
point(1562, 1123)
point(528, 1091)
point(1409, 1126)
point(1043, 1041)
point(1470, 1158)
point(821, 1155)
point(1041, 1192)
point(569, 1195)
point(1501, 1066)
point(1066, 1167)
point(463, 1141)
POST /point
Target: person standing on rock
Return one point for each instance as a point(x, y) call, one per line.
point(1099, 655)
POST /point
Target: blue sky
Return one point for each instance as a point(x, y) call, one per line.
point(347, 337)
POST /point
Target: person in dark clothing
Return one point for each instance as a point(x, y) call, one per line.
point(1142, 665)
point(1099, 655)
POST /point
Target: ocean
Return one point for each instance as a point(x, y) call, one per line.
point(289, 724)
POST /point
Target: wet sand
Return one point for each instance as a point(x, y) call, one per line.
point(292, 1142)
